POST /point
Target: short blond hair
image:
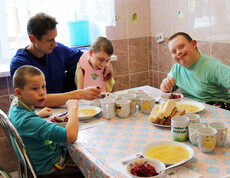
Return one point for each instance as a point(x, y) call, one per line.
point(19, 78)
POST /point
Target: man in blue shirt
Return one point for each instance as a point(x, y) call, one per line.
point(53, 59)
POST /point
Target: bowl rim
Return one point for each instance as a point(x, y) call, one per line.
point(168, 94)
point(128, 168)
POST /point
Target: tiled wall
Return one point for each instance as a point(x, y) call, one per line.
point(141, 60)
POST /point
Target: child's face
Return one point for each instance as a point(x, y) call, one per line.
point(34, 92)
point(183, 51)
point(99, 60)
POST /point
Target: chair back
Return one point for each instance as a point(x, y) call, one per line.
point(18, 145)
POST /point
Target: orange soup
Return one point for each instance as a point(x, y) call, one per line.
point(86, 112)
point(188, 107)
point(168, 154)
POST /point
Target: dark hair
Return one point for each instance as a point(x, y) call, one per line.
point(39, 24)
point(102, 44)
point(19, 78)
point(183, 34)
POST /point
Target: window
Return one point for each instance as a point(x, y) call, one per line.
point(14, 15)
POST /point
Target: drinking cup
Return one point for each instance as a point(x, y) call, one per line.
point(123, 108)
point(108, 108)
point(193, 118)
point(147, 103)
point(121, 93)
point(133, 102)
point(139, 95)
point(192, 128)
point(222, 129)
point(205, 138)
point(132, 91)
point(179, 128)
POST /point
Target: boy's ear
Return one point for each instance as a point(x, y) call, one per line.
point(194, 43)
point(90, 52)
point(18, 92)
point(32, 38)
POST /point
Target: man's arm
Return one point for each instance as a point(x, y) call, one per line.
point(59, 99)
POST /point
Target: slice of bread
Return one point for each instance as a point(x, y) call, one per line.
point(154, 114)
point(179, 112)
point(167, 109)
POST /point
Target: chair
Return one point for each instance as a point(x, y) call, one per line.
point(4, 173)
point(26, 168)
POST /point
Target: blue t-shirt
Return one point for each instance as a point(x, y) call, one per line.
point(57, 62)
point(42, 139)
point(207, 80)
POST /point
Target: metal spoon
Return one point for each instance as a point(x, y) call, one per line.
point(174, 165)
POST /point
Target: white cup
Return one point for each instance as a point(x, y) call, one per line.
point(179, 128)
point(205, 138)
point(222, 130)
point(133, 102)
point(112, 95)
point(121, 93)
point(108, 108)
point(193, 118)
point(123, 108)
point(139, 95)
point(192, 128)
point(132, 91)
point(147, 103)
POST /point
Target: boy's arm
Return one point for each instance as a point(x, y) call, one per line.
point(72, 124)
point(79, 77)
point(108, 72)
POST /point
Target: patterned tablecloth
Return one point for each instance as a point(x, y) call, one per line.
point(98, 146)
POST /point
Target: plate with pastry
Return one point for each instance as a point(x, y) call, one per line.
point(190, 106)
point(161, 115)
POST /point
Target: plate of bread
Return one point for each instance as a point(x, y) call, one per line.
point(161, 115)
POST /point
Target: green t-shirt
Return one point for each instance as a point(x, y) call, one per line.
point(207, 80)
point(42, 139)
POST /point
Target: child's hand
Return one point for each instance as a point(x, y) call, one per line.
point(72, 104)
point(45, 112)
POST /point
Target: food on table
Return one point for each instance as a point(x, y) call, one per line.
point(143, 170)
point(168, 153)
point(188, 107)
point(59, 117)
point(162, 115)
point(86, 112)
point(102, 95)
point(174, 96)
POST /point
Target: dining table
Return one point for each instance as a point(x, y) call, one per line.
point(103, 144)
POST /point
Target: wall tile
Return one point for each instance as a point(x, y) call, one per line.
point(139, 27)
point(8, 157)
point(4, 103)
point(204, 47)
point(220, 22)
point(3, 86)
point(121, 66)
point(153, 17)
point(138, 58)
point(164, 23)
point(122, 82)
point(161, 77)
point(200, 20)
point(10, 85)
point(155, 78)
point(150, 78)
point(139, 79)
point(181, 17)
point(120, 30)
point(221, 51)
point(164, 57)
point(155, 61)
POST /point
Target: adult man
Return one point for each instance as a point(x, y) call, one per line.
point(53, 59)
point(199, 77)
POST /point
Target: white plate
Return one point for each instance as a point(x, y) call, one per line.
point(88, 116)
point(159, 125)
point(166, 96)
point(147, 147)
point(200, 105)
